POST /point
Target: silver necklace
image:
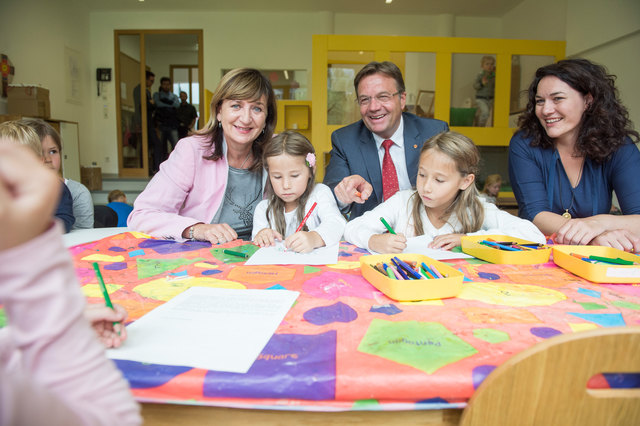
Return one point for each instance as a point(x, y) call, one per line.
point(245, 160)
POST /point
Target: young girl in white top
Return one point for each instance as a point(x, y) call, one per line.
point(445, 206)
point(290, 161)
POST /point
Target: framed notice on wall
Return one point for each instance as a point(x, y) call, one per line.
point(73, 75)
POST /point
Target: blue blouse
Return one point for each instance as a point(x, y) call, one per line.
point(540, 182)
point(64, 211)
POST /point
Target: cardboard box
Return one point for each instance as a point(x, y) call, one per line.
point(91, 177)
point(30, 101)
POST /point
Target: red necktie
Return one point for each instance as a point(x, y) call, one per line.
point(389, 176)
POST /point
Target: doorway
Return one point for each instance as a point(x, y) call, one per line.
point(175, 54)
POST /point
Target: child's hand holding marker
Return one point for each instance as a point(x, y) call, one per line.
point(267, 237)
point(388, 243)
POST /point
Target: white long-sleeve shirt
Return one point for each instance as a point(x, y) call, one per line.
point(53, 369)
point(325, 219)
point(397, 212)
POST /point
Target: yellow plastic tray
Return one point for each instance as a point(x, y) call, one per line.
point(598, 273)
point(411, 290)
point(471, 245)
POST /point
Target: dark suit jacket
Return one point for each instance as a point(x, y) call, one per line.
point(354, 152)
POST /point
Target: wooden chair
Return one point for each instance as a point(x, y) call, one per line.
point(546, 384)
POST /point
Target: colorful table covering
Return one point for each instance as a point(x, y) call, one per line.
point(344, 345)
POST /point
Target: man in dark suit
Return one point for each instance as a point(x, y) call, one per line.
point(361, 152)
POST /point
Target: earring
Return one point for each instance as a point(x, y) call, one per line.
point(263, 130)
point(219, 124)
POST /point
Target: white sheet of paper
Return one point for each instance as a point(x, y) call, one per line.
point(212, 328)
point(278, 256)
point(419, 245)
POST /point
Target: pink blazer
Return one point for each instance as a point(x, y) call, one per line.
point(188, 189)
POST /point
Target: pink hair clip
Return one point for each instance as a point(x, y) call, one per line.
point(311, 159)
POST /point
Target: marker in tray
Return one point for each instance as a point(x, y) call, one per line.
point(499, 246)
point(607, 260)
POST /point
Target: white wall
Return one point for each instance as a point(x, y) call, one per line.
point(33, 34)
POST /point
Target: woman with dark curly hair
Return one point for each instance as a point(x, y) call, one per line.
point(573, 149)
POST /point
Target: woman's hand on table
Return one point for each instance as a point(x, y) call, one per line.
point(446, 242)
point(215, 233)
point(388, 243)
point(102, 319)
point(620, 239)
point(267, 237)
point(580, 231)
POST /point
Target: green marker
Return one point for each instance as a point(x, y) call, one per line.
point(386, 225)
point(236, 253)
point(616, 261)
point(105, 293)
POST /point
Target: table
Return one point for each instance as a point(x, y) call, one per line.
point(344, 346)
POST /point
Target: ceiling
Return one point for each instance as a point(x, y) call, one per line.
point(476, 8)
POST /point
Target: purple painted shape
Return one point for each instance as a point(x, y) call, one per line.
point(361, 250)
point(116, 266)
point(388, 309)
point(292, 366)
point(544, 332)
point(323, 315)
point(344, 254)
point(480, 373)
point(168, 246)
point(116, 248)
point(145, 376)
point(211, 272)
point(488, 275)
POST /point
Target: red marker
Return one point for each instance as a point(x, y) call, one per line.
point(306, 217)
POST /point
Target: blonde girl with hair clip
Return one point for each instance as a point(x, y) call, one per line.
point(444, 206)
point(290, 161)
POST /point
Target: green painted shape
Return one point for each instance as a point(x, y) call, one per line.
point(3, 318)
point(426, 346)
point(625, 304)
point(590, 306)
point(151, 267)
point(366, 404)
point(219, 254)
point(491, 335)
point(311, 269)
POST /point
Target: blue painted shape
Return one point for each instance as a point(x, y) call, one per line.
point(135, 253)
point(169, 246)
point(211, 272)
point(588, 292)
point(116, 266)
point(144, 376)
point(488, 275)
point(605, 320)
point(623, 380)
point(312, 376)
point(276, 287)
point(388, 309)
point(117, 249)
point(179, 273)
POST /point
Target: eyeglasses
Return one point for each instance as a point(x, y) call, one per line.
point(382, 98)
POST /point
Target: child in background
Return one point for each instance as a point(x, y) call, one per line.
point(19, 132)
point(445, 205)
point(485, 85)
point(491, 188)
point(118, 202)
point(52, 368)
point(291, 163)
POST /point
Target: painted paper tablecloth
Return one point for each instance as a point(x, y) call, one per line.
point(344, 345)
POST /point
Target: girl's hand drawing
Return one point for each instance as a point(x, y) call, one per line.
point(102, 319)
point(446, 242)
point(304, 242)
point(267, 237)
point(388, 243)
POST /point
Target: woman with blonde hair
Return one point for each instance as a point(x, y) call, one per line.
point(209, 187)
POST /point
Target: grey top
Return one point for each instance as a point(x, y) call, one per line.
point(244, 192)
point(485, 90)
point(82, 205)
